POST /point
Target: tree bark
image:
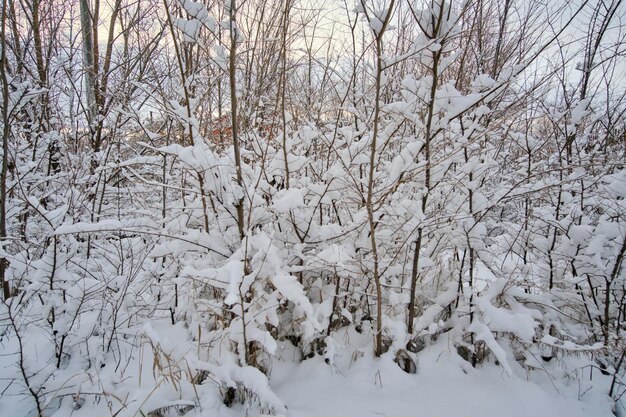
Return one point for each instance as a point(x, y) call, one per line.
point(6, 289)
point(86, 23)
point(233, 114)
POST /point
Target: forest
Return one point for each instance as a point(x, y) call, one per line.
point(313, 208)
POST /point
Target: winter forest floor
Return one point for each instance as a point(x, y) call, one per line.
point(350, 382)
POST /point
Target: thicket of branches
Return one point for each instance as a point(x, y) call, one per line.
point(253, 173)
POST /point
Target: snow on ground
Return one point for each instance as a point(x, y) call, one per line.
point(438, 390)
point(352, 384)
point(445, 386)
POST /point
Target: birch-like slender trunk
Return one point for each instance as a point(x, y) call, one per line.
point(369, 204)
point(6, 289)
point(428, 137)
point(232, 68)
point(88, 61)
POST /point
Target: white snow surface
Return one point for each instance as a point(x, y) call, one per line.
point(445, 385)
point(346, 381)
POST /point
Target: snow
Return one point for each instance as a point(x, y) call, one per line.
point(289, 199)
point(483, 333)
point(360, 385)
point(376, 25)
point(190, 29)
point(521, 324)
point(345, 381)
point(104, 225)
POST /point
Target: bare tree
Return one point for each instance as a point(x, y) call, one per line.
point(5, 151)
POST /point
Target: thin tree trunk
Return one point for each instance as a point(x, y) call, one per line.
point(6, 289)
point(233, 114)
point(427, 186)
point(607, 296)
point(416, 257)
point(370, 180)
point(88, 61)
point(284, 88)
